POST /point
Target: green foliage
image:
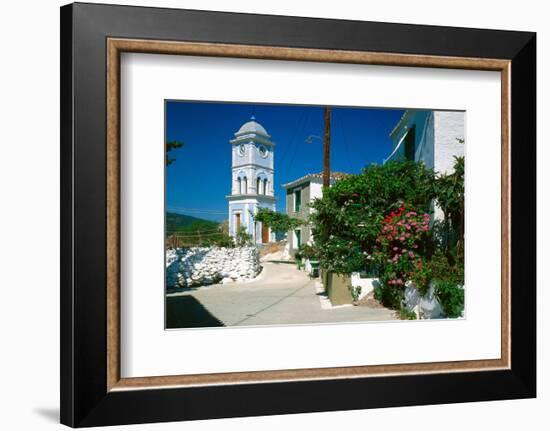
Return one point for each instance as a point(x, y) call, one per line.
point(220, 240)
point(381, 218)
point(299, 258)
point(447, 278)
point(347, 219)
point(172, 145)
point(445, 267)
point(390, 297)
point(355, 291)
point(188, 224)
point(278, 222)
point(308, 251)
point(402, 246)
point(451, 297)
point(243, 238)
point(449, 193)
point(405, 314)
point(422, 276)
point(187, 231)
point(447, 274)
point(224, 227)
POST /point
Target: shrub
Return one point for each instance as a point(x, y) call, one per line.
point(449, 194)
point(402, 246)
point(355, 292)
point(278, 222)
point(243, 238)
point(224, 240)
point(391, 297)
point(346, 221)
point(307, 251)
point(215, 240)
point(380, 220)
point(447, 274)
point(413, 257)
point(451, 297)
point(405, 314)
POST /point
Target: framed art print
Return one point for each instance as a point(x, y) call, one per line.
point(325, 215)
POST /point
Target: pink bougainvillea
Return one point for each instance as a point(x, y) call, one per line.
point(401, 245)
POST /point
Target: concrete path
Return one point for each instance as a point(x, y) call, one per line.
point(281, 294)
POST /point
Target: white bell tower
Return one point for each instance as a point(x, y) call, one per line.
point(252, 176)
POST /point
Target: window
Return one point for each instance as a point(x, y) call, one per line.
point(265, 186)
point(297, 200)
point(258, 183)
point(410, 145)
point(245, 186)
point(239, 186)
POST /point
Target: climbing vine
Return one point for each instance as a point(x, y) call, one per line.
point(278, 222)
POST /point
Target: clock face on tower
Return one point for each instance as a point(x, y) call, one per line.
point(242, 149)
point(263, 151)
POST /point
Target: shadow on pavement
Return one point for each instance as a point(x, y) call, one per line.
point(186, 312)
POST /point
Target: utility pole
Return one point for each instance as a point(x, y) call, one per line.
point(326, 150)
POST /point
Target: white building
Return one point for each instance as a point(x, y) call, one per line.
point(299, 194)
point(432, 137)
point(252, 184)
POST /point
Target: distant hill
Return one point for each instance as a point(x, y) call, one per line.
point(184, 223)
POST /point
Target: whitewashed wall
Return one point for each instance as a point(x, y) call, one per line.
point(448, 128)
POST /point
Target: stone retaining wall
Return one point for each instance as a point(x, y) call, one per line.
point(199, 266)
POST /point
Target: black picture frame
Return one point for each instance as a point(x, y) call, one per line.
point(85, 400)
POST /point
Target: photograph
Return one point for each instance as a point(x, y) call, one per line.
point(277, 214)
point(280, 214)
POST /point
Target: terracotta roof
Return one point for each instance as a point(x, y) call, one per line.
point(333, 175)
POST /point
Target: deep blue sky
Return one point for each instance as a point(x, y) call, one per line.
point(200, 178)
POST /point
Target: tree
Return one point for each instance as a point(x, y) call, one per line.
point(449, 193)
point(172, 145)
point(224, 227)
point(243, 238)
point(347, 219)
point(278, 222)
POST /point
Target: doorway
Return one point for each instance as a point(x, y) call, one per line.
point(265, 234)
point(297, 238)
point(237, 222)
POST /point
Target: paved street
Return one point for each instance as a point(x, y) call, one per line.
point(279, 295)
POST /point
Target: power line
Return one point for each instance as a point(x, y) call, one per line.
point(346, 143)
point(293, 140)
point(306, 118)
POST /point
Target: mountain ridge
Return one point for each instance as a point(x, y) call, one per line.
point(175, 222)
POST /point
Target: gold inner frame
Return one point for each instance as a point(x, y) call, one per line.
point(116, 46)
